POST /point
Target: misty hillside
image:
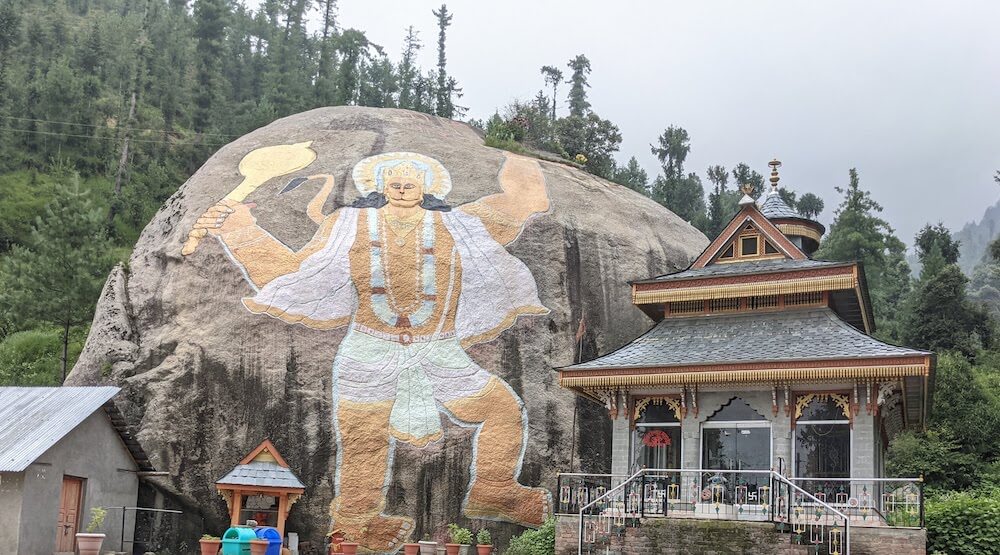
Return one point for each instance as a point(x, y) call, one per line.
point(976, 236)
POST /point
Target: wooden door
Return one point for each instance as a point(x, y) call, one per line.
point(69, 514)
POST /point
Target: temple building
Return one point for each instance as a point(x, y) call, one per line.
point(761, 357)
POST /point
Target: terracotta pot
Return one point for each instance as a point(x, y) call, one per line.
point(210, 547)
point(89, 544)
point(259, 547)
point(452, 548)
point(484, 549)
point(349, 548)
point(411, 549)
point(428, 547)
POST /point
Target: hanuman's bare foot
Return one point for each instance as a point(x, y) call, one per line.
point(509, 501)
point(376, 533)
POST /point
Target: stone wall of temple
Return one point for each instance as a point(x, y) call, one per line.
point(691, 536)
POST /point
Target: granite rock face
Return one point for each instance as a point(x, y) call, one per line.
point(215, 352)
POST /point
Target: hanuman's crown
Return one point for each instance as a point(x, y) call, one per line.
point(405, 170)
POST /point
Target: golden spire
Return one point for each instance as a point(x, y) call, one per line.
point(774, 164)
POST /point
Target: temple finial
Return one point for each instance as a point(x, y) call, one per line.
point(775, 164)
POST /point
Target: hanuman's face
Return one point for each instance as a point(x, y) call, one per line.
point(404, 192)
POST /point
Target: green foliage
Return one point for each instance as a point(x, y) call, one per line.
point(535, 542)
point(597, 139)
point(459, 534)
point(936, 456)
point(963, 523)
point(578, 104)
point(31, 357)
point(966, 404)
point(858, 234)
point(939, 317)
point(632, 176)
point(484, 538)
point(809, 206)
point(97, 516)
point(57, 275)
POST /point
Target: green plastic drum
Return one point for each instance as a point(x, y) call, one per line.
point(236, 540)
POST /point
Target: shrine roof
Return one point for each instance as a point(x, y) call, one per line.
point(773, 207)
point(789, 335)
point(262, 474)
point(749, 267)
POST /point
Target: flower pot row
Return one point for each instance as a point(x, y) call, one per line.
point(430, 548)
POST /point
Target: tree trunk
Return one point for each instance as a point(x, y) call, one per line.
point(119, 175)
point(64, 359)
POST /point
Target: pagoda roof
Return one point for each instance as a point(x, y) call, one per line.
point(264, 467)
point(773, 207)
point(746, 268)
point(814, 334)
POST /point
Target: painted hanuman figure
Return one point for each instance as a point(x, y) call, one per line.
point(416, 283)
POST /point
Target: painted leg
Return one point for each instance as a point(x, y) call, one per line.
point(495, 492)
point(363, 430)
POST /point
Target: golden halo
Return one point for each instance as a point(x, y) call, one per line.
point(367, 173)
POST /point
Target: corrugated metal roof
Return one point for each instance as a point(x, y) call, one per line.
point(33, 419)
point(750, 267)
point(261, 473)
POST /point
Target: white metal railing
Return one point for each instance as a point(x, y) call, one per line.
point(755, 495)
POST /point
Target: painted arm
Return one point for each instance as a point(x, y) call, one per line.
point(503, 214)
point(261, 255)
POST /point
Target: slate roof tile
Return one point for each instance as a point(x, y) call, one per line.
point(807, 334)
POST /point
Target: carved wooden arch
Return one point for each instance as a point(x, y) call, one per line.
point(841, 398)
point(673, 401)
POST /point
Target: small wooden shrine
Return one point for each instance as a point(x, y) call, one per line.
point(760, 357)
point(261, 487)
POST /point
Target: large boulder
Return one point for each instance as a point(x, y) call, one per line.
point(441, 316)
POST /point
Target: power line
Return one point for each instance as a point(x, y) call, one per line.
point(53, 133)
point(106, 127)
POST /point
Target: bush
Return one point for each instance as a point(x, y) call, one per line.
point(535, 542)
point(32, 357)
point(963, 523)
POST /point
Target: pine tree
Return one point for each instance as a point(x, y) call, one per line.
point(327, 53)
point(553, 76)
point(408, 71)
point(809, 206)
point(578, 104)
point(719, 213)
point(210, 24)
point(858, 234)
point(743, 175)
point(57, 277)
point(444, 106)
point(633, 176)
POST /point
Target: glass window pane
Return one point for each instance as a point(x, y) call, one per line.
point(748, 245)
point(736, 448)
point(657, 413)
point(659, 446)
point(823, 451)
point(736, 410)
point(822, 410)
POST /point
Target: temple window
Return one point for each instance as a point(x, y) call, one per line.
point(748, 245)
point(657, 438)
point(822, 437)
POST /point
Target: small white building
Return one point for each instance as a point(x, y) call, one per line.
point(64, 450)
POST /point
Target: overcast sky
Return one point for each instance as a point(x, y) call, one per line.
point(907, 91)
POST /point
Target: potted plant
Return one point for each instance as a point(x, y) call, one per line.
point(411, 549)
point(484, 543)
point(461, 540)
point(427, 546)
point(210, 544)
point(259, 547)
point(90, 541)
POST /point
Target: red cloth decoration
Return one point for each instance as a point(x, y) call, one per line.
point(656, 438)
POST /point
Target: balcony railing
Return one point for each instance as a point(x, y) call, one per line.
point(814, 512)
point(872, 501)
